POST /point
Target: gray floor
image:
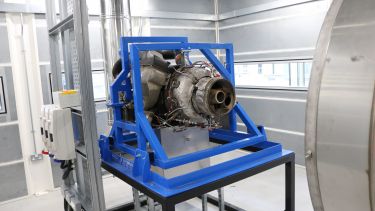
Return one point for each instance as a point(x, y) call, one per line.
point(261, 192)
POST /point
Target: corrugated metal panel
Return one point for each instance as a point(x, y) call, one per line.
point(13, 181)
point(42, 40)
point(10, 142)
point(10, 101)
point(285, 33)
point(194, 35)
point(2, 16)
point(4, 50)
point(95, 36)
point(191, 6)
point(228, 6)
point(203, 25)
point(196, 31)
point(45, 82)
point(282, 112)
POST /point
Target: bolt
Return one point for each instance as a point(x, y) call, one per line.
point(308, 154)
point(188, 138)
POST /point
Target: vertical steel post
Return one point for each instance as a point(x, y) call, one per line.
point(80, 15)
point(65, 39)
point(137, 203)
point(204, 202)
point(220, 192)
point(290, 185)
point(54, 48)
point(150, 204)
point(115, 19)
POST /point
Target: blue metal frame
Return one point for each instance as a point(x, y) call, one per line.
point(139, 167)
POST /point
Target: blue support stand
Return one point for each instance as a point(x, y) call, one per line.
point(136, 170)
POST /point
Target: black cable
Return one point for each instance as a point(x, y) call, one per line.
point(63, 164)
point(117, 68)
point(66, 173)
point(68, 165)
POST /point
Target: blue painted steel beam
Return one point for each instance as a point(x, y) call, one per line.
point(152, 138)
point(229, 136)
point(181, 46)
point(126, 125)
point(126, 148)
point(217, 64)
point(229, 58)
point(251, 127)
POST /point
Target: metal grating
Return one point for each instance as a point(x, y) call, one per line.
point(69, 7)
point(76, 51)
point(74, 59)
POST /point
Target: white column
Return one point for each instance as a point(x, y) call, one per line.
point(28, 94)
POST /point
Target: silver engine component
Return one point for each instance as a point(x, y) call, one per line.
point(152, 82)
point(181, 92)
point(153, 77)
point(186, 94)
point(214, 96)
point(340, 117)
point(199, 95)
point(180, 143)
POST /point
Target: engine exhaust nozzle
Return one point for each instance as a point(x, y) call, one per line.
point(214, 96)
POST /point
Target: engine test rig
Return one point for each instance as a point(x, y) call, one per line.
point(168, 123)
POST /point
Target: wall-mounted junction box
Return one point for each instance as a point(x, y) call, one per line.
point(57, 127)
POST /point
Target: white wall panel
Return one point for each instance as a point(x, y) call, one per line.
point(96, 48)
point(179, 6)
point(10, 102)
point(10, 142)
point(283, 33)
point(195, 30)
point(279, 109)
point(229, 6)
point(281, 112)
point(13, 181)
point(24, 60)
point(4, 49)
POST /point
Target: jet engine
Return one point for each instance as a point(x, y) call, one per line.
point(177, 92)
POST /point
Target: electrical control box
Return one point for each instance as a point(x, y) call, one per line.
point(57, 127)
point(66, 98)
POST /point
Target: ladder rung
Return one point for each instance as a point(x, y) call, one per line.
point(63, 25)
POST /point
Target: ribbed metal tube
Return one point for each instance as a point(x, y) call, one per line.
point(115, 23)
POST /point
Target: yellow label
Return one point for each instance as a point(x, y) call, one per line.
point(68, 92)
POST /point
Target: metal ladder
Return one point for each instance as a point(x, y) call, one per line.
point(68, 29)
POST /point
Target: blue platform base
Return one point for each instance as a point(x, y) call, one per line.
point(168, 202)
point(232, 169)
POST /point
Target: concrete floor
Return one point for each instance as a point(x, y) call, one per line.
point(263, 192)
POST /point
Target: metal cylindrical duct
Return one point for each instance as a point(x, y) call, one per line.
point(115, 23)
point(340, 130)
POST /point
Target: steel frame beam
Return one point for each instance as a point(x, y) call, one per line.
point(262, 8)
point(168, 203)
point(21, 8)
point(76, 26)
